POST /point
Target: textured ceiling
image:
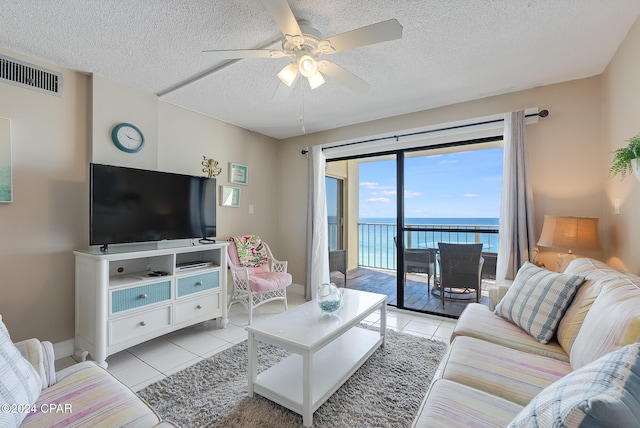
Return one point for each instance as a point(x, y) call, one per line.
point(450, 51)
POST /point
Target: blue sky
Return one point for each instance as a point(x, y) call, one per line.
point(459, 185)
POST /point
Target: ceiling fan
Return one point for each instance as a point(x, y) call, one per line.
point(304, 46)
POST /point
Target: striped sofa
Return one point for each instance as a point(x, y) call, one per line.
point(495, 374)
point(32, 394)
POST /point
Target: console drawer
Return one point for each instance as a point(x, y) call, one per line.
point(142, 295)
point(206, 307)
point(139, 325)
point(196, 283)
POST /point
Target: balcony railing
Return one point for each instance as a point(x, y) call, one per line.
point(377, 249)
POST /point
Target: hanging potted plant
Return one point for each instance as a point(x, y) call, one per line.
point(625, 160)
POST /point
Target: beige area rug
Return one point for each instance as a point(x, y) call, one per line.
point(385, 392)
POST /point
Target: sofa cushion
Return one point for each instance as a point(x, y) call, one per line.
point(612, 322)
point(584, 265)
point(20, 384)
point(504, 372)
point(573, 318)
point(602, 393)
point(478, 321)
point(452, 405)
point(86, 395)
point(537, 299)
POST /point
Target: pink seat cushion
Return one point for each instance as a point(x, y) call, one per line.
point(269, 281)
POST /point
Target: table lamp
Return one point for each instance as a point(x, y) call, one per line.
point(569, 233)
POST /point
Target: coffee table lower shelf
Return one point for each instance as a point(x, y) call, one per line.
point(331, 366)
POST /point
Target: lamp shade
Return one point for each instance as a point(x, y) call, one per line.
point(570, 233)
point(288, 74)
point(315, 80)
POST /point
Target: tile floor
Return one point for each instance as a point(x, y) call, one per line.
point(148, 362)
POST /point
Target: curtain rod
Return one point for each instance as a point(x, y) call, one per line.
point(541, 113)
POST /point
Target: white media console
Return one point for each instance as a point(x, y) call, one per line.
point(131, 294)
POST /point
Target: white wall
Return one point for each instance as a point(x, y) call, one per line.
point(186, 137)
point(48, 216)
point(621, 100)
point(114, 103)
point(567, 169)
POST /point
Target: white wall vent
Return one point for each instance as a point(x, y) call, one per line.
point(30, 76)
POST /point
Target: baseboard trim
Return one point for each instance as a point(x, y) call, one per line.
point(296, 288)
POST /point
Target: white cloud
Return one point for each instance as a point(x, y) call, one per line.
point(470, 195)
point(372, 185)
point(379, 200)
point(411, 194)
point(448, 161)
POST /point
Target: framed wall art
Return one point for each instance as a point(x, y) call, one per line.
point(238, 174)
point(230, 196)
point(6, 180)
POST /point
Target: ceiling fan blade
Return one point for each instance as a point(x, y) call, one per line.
point(375, 33)
point(244, 53)
point(283, 16)
point(283, 92)
point(345, 78)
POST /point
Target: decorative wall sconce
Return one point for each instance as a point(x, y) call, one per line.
point(211, 167)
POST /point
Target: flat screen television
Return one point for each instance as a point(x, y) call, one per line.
point(134, 205)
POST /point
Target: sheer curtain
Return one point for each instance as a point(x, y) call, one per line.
point(516, 242)
point(317, 239)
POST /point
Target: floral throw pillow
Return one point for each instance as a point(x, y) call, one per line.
point(251, 250)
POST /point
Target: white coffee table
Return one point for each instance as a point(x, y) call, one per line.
point(326, 351)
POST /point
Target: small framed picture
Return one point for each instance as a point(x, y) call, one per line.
point(230, 196)
point(238, 174)
point(6, 185)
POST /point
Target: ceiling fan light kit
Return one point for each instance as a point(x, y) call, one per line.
point(307, 65)
point(288, 74)
point(315, 80)
point(304, 45)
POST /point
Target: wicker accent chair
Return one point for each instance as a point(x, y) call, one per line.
point(460, 269)
point(253, 286)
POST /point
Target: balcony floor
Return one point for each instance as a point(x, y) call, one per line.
point(416, 296)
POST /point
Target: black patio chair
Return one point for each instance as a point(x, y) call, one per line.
point(460, 269)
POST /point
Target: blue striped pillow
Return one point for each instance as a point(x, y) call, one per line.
point(20, 384)
point(537, 300)
point(605, 392)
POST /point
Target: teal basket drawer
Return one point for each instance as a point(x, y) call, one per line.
point(140, 296)
point(196, 283)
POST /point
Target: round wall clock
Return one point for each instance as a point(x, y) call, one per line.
point(127, 138)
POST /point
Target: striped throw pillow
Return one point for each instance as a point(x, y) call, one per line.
point(19, 382)
point(537, 299)
point(604, 393)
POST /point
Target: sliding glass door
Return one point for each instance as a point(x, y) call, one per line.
point(404, 204)
point(450, 196)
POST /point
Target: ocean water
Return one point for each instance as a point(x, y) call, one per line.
point(377, 247)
